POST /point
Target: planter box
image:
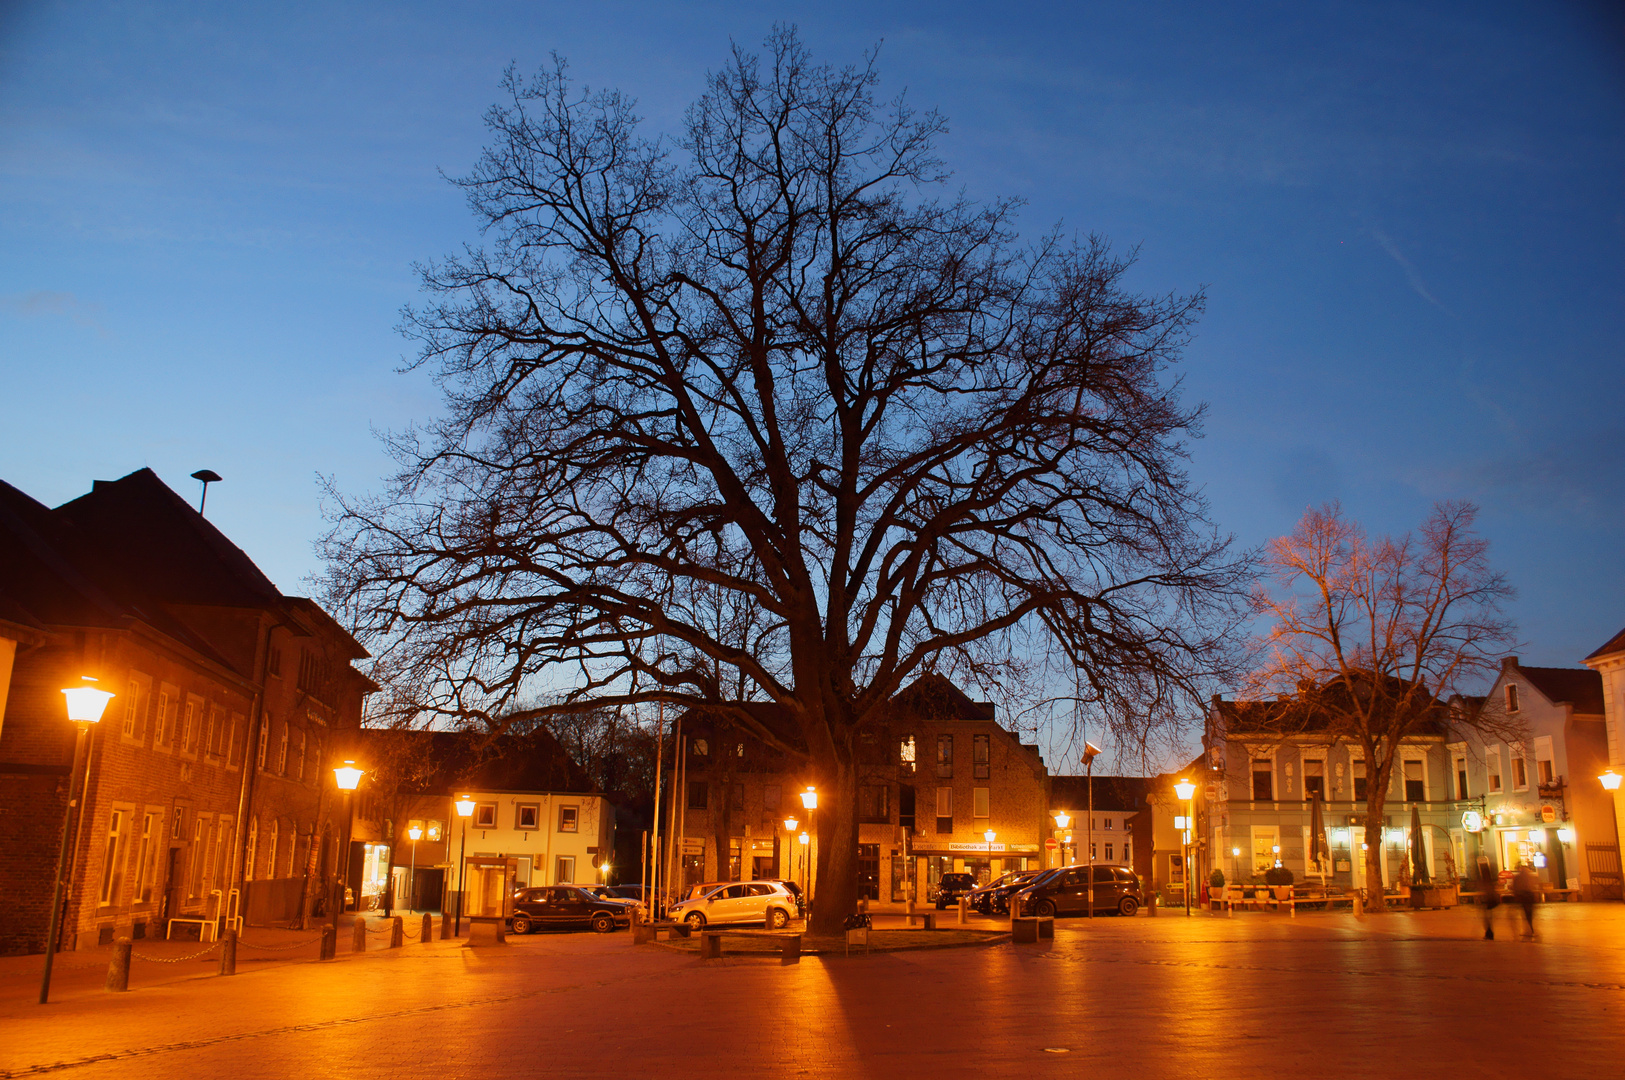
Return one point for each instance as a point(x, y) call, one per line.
point(1431, 896)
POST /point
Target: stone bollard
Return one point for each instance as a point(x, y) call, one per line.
point(791, 953)
point(1151, 904)
point(329, 944)
point(118, 971)
point(358, 938)
point(426, 935)
point(397, 931)
point(228, 952)
point(445, 927)
point(710, 946)
point(962, 919)
point(1358, 906)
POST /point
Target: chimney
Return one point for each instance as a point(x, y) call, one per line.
point(1509, 663)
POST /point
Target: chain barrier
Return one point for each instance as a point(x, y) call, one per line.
point(386, 928)
point(177, 959)
point(300, 944)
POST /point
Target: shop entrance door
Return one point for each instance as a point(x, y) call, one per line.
point(764, 867)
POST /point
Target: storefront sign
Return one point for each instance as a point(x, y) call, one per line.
point(1548, 813)
point(1472, 821)
point(693, 847)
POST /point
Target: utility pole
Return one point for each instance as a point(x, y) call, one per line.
point(1090, 752)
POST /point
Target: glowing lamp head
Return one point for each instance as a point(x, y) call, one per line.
point(1610, 779)
point(988, 836)
point(1185, 790)
point(1062, 819)
point(465, 806)
point(604, 869)
point(347, 776)
point(87, 703)
point(803, 838)
point(415, 833)
point(809, 798)
point(790, 824)
point(1235, 853)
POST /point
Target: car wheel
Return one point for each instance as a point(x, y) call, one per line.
point(694, 919)
point(1129, 906)
point(1045, 909)
point(777, 918)
point(602, 923)
point(522, 925)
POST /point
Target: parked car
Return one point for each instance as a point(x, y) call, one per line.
point(952, 887)
point(794, 890)
point(567, 906)
point(638, 894)
point(700, 889)
point(766, 902)
point(1066, 892)
point(993, 898)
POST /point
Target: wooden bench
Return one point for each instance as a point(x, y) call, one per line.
point(711, 944)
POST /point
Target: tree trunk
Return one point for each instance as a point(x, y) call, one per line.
point(1376, 795)
point(836, 886)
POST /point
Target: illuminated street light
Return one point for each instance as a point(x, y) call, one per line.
point(465, 810)
point(1186, 791)
point(346, 776)
point(988, 836)
point(412, 882)
point(1062, 819)
point(85, 705)
point(809, 798)
point(1610, 779)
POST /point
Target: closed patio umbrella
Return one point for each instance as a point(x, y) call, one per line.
point(1319, 850)
point(1419, 851)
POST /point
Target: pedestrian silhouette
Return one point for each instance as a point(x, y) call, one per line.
point(1526, 888)
point(1489, 894)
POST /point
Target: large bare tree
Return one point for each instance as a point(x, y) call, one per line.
point(756, 415)
point(1369, 638)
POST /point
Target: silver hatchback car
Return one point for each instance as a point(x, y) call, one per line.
point(765, 902)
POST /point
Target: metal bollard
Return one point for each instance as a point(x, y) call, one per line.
point(426, 935)
point(228, 952)
point(1358, 905)
point(329, 945)
point(358, 939)
point(118, 972)
point(962, 919)
point(397, 931)
point(445, 927)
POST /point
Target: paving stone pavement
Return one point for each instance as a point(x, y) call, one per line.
point(1412, 994)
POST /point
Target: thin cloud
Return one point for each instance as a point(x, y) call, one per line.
point(45, 304)
point(1418, 286)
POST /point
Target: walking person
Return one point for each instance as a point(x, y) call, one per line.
point(1489, 895)
point(1526, 888)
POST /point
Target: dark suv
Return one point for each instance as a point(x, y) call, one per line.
point(559, 906)
point(952, 887)
point(1066, 892)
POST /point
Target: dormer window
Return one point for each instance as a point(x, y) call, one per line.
point(1512, 697)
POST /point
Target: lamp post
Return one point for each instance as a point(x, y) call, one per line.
point(85, 706)
point(1062, 820)
point(809, 799)
point(1186, 791)
point(988, 836)
point(412, 882)
point(346, 776)
point(806, 871)
point(1090, 751)
point(465, 810)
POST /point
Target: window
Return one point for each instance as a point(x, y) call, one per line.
point(874, 805)
point(736, 863)
point(701, 748)
point(1263, 780)
point(868, 871)
point(145, 859)
point(699, 795)
point(485, 816)
point(1357, 771)
point(945, 810)
point(1520, 770)
point(175, 830)
point(871, 751)
point(1415, 785)
point(165, 717)
point(265, 740)
point(270, 850)
point(252, 851)
point(980, 751)
point(770, 798)
point(1108, 851)
point(113, 855)
point(1512, 697)
point(132, 710)
point(282, 754)
point(217, 733)
point(189, 727)
point(273, 662)
point(945, 756)
point(564, 869)
point(301, 771)
point(569, 818)
point(1106, 824)
point(906, 754)
point(1461, 778)
point(979, 802)
point(1492, 767)
point(1266, 847)
point(905, 807)
point(312, 673)
point(1545, 771)
point(1314, 779)
point(196, 889)
point(527, 816)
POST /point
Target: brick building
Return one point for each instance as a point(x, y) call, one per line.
point(229, 694)
point(933, 779)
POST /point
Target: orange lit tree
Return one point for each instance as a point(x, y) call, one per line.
point(1370, 637)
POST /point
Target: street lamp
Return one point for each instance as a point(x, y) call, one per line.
point(412, 882)
point(1610, 779)
point(1090, 752)
point(346, 776)
point(85, 706)
point(1186, 792)
point(806, 871)
point(988, 836)
point(1062, 820)
point(465, 810)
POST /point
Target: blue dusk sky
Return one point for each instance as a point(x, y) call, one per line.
point(1407, 219)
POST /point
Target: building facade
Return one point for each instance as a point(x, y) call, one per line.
point(1608, 661)
point(131, 586)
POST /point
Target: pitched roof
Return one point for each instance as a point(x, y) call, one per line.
point(1612, 645)
point(441, 762)
point(1580, 687)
